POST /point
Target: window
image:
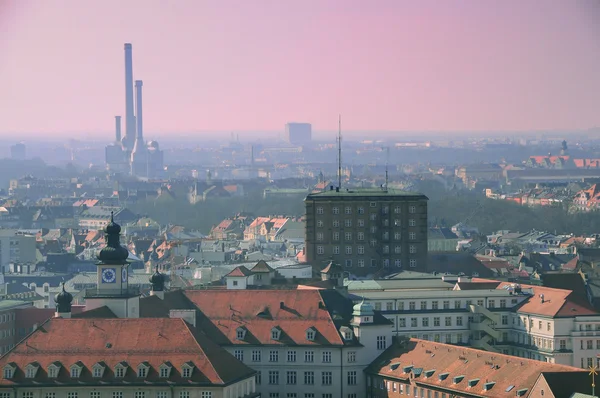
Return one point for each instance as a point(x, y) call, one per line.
point(352, 378)
point(309, 378)
point(140, 394)
point(291, 377)
point(75, 370)
point(326, 378)
point(273, 377)
point(412, 209)
point(412, 249)
point(360, 222)
point(30, 372)
point(348, 236)
point(258, 377)
point(320, 250)
point(256, 356)
point(412, 222)
point(413, 263)
point(326, 356)
point(381, 343)
point(398, 262)
point(563, 344)
point(347, 223)
point(162, 394)
point(184, 394)
point(348, 210)
point(336, 223)
point(423, 305)
point(165, 371)
point(348, 262)
point(8, 372)
point(187, 372)
point(319, 210)
point(141, 372)
point(72, 394)
point(48, 395)
point(320, 223)
point(361, 210)
point(425, 322)
point(352, 356)
point(385, 210)
point(502, 303)
point(397, 249)
point(336, 250)
point(360, 236)
point(335, 210)
point(548, 327)
point(238, 354)
point(360, 250)
point(412, 235)
point(373, 229)
point(273, 356)
point(386, 262)
point(436, 321)
point(206, 394)
point(336, 236)
point(119, 394)
point(27, 395)
point(540, 325)
point(348, 249)
point(309, 356)
point(291, 356)
point(361, 262)
point(459, 321)
point(446, 304)
point(319, 236)
point(397, 236)
point(505, 319)
point(397, 210)
point(457, 304)
point(448, 321)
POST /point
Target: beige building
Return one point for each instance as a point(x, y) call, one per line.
point(367, 230)
point(16, 248)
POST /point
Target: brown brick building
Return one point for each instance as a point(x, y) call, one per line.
point(367, 230)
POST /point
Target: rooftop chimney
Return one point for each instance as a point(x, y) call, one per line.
point(129, 115)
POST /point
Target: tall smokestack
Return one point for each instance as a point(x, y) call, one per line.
point(129, 115)
point(118, 128)
point(138, 111)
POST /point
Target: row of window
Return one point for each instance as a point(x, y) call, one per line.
point(435, 305)
point(360, 236)
point(98, 370)
point(374, 263)
point(291, 356)
point(7, 318)
point(360, 223)
point(412, 209)
point(307, 395)
point(114, 394)
point(425, 322)
point(385, 249)
point(291, 377)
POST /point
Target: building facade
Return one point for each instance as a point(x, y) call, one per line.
point(533, 322)
point(366, 230)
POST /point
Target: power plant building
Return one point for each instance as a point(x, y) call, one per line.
point(131, 153)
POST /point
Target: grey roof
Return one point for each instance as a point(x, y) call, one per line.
point(441, 233)
point(372, 193)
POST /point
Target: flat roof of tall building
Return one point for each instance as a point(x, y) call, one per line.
point(368, 192)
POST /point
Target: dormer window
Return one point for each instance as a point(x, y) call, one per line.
point(165, 370)
point(275, 333)
point(142, 370)
point(53, 370)
point(310, 334)
point(120, 369)
point(75, 371)
point(187, 369)
point(31, 370)
point(240, 333)
point(9, 371)
point(97, 370)
point(346, 333)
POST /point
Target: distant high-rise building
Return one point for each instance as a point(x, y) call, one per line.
point(18, 151)
point(298, 133)
point(367, 231)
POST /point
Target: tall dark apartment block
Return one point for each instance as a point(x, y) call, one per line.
point(367, 231)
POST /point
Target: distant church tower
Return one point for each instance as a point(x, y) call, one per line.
point(113, 289)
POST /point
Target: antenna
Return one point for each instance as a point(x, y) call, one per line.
point(340, 152)
point(387, 160)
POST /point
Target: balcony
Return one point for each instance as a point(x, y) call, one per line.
point(109, 293)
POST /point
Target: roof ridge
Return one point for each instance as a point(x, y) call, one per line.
point(193, 332)
point(328, 316)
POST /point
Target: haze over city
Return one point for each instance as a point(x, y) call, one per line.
point(388, 66)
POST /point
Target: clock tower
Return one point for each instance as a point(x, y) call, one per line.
point(113, 290)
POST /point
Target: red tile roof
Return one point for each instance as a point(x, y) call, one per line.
point(428, 360)
point(240, 271)
point(111, 341)
point(259, 311)
point(557, 302)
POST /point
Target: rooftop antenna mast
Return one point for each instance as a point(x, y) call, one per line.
point(387, 161)
point(340, 152)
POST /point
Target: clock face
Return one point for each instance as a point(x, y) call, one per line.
point(124, 275)
point(109, 275)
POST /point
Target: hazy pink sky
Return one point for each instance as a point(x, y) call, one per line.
point(257, 64)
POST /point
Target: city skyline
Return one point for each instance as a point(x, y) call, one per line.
point(462, 67)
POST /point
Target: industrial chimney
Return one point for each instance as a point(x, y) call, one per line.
point(118, 128)
point(129, 138)
point(138, 111)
